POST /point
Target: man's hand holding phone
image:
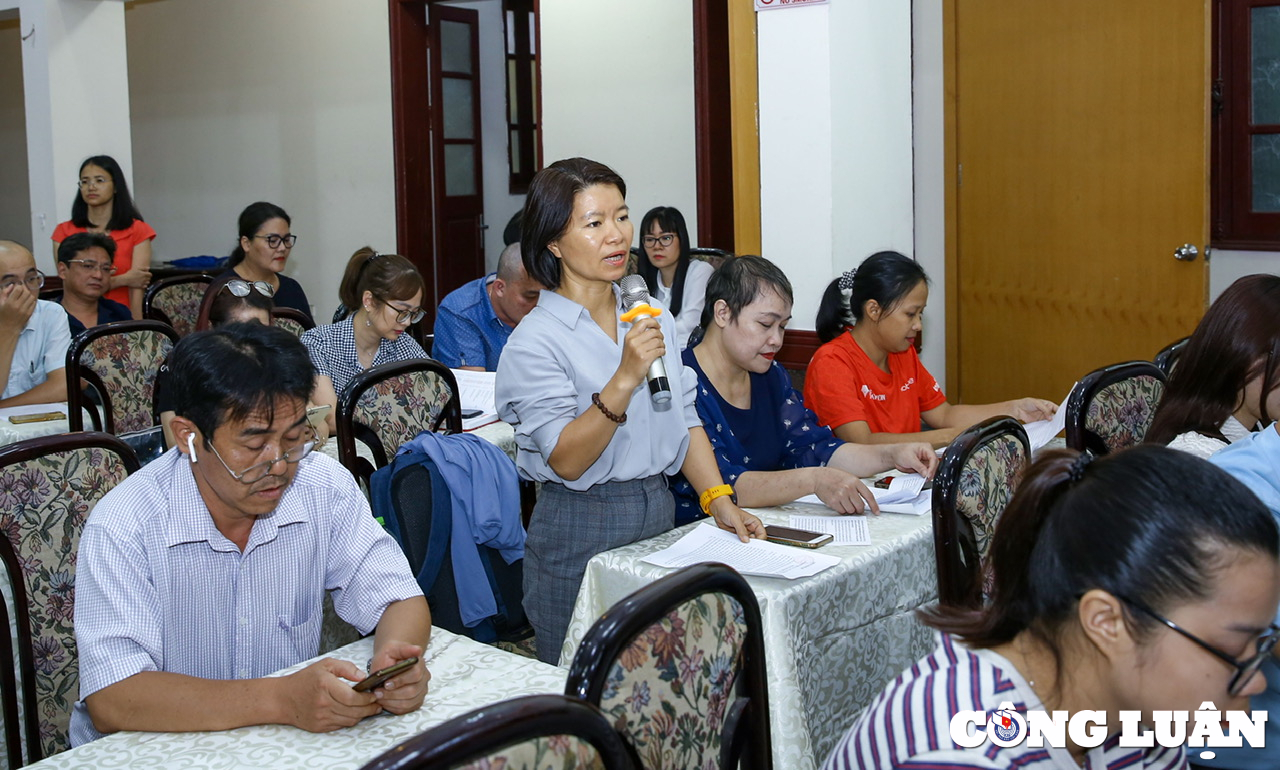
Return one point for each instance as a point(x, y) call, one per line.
point(404, 691)
point(319, 698)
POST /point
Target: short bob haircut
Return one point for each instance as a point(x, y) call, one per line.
point(1168, 518)
point(123, 211)
point(229, 373)
point(385, 276)
point(1237, 339)
point(669, 220)
point(885, 277)
point(739, 281)
point(252, 219)
point(74, 244)
point(549, 207)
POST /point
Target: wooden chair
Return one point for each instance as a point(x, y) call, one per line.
point(291, 320)
point(9, 696)
point(1113, 407)
point(704, 617)
point(535, 732)
point(971, 489)
point(49, 485)
point(389, 404)
point(1167, 358)
point(121, 361)
point(176, 301)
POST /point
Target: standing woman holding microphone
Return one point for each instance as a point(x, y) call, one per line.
point(572, 382)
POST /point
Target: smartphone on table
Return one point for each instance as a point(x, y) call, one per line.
point(802, 538)
point(379, 677)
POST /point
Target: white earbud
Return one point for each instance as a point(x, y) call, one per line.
point(191, 448)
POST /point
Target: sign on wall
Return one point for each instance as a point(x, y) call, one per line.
point(769, 5)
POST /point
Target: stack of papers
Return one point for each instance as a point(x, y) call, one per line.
point(906, 494)
point(758, 557)
point(475, 391)
point(847, 530)
point(1041, 432)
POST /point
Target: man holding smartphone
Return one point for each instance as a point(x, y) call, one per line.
point(206, 570)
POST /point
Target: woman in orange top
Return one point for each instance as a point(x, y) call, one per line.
point(103, 205)
point(866, 381)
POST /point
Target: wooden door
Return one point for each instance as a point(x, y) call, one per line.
point(1079, 138)
point(458, 201)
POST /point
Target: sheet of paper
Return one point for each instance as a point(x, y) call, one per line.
point(1042, 432)
point(919, 505)
point(475, 390)
point(847, 530)
point(758, 557)
point(901, 489)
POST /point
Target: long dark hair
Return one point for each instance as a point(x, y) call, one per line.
point(1237, 339)
point(669, 220)
point(123, 212)
point(885, 277)
point(253, 217)
point(549, 207)
point(1167, 516)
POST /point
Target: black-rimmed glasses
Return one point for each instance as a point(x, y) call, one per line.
point(34, 281)
point(93, 266)
point(259, 471)
point(408, 316)
point(274, 240)
point(241, 288)
point(1244, 669)
point(653, 240)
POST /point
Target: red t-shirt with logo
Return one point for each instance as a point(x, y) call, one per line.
point(842, 385)
point(125, 239)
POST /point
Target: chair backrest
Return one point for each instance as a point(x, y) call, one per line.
point(387, 405)
point(121, 361)
point(971, 489)
point(9, 696)
point(687, 650)
point(535, 732)
point(1167, 358)
point(176, 301)
point(291, 320)
point(48, 485)
point(1113, 407)
point(715, 257)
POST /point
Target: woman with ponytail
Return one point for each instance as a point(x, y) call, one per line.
point(1171, 609)
point(867, 383)
point(262, 251)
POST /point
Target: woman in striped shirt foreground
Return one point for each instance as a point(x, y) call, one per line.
point(1143, 581)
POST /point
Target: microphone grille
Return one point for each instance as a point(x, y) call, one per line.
point(634, 289)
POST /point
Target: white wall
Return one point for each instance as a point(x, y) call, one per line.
point(287, 101)
point(930, 191)
point(617, 87)
point(1226, 266)
point(15, 203)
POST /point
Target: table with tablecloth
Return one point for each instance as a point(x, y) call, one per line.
point(832, 641)
point(11, 432)
point(465, 675)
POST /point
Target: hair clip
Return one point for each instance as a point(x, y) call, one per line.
point(846, 280)
point(1076, 472)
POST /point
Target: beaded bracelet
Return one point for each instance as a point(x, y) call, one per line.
point(595, 399)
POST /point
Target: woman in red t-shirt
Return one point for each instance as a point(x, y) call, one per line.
point(866, 381)
point(103, 205)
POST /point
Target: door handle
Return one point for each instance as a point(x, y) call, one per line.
point(1187, 252)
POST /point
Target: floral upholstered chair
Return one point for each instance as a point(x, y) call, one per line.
point(973, 485)
point(1113, 407)
point(389, 404)
point(121, 361)
point(48, 485)
point(678, 668)
point(176, 301)
point(536, 732)
point(291, 320)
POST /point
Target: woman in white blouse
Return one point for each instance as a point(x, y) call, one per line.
point(1227, 379)
point(676, 279)
point(572, 382)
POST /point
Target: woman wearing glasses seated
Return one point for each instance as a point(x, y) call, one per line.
point(386, 289)
point(1172, 608)
point(674, 278)
point(264, 248)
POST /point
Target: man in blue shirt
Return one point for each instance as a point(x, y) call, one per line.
point(85, 265)
point(1255, 461)
point(475, 320)
point(33, 333)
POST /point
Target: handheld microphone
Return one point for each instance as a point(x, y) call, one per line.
point(635, 299)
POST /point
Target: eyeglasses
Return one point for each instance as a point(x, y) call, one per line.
point(95, 182)
point(34, 281)
point(1244, 669)
point(259, 471)
point(90, 266)
point(274, 240)
point(653, 240)
point(408, 315)
point(241, 288)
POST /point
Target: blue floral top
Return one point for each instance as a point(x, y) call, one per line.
point(777, 433)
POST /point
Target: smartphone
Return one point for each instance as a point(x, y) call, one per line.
point(469, 413)
point(22, 419)
point(883, 483)
point(377, 678)
point(797, 537)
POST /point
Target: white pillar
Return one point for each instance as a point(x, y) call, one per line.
point(76, 84)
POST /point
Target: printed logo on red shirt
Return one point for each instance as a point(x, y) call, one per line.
point(866, 393)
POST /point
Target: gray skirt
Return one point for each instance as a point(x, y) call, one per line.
point(567, 529)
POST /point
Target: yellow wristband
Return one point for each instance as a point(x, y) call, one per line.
point(713, 493)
